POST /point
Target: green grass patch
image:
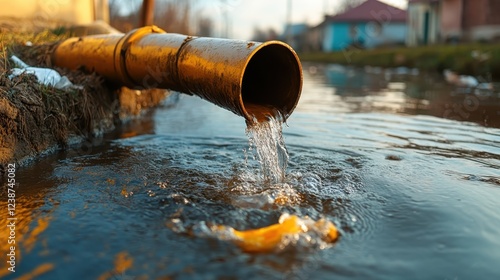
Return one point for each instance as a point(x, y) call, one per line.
point(469, 59)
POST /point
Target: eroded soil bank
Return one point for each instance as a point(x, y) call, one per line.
point(36, 119)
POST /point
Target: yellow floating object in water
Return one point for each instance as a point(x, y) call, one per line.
point(269, 238)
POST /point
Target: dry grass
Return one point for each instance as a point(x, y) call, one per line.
point(34, 116)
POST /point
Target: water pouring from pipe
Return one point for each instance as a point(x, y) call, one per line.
point(251, 79)
point(261, 82)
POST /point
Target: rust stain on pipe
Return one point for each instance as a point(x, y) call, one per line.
point(236, 75)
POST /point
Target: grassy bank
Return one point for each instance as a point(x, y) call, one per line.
point(471, 59)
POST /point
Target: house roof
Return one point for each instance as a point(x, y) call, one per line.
point(371, 10)
point(422, 1)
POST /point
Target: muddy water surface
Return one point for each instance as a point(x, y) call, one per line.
point(405, 166)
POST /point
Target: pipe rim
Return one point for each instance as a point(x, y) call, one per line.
point(295, 77)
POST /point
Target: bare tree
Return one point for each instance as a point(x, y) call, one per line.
point(348, 4)
point(260, 35)
point(170, 15)
point(205, 26)
point(124, 14)
point(123, 7)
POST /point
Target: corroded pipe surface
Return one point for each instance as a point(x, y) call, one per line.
point(241, 76)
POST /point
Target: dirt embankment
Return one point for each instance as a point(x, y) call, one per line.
point(37, 119)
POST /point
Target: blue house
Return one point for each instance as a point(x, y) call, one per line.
point(369, 25)
point(294, 35)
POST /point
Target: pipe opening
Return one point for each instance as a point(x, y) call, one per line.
point(272, 78)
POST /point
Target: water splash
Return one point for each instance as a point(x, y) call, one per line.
point(268, 147)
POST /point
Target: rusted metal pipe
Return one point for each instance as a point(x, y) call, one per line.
point(241, 76)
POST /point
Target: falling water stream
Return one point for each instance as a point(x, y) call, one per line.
point(266, 139)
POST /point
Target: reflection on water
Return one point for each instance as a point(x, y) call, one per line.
point(414, 196)
point(401, 91)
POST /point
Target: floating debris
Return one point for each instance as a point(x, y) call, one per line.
point(288, 230)
point(46, 76)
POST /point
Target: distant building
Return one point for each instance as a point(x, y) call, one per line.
point(28, 14)
point(369, 25)
point(314, 39)
point(423, 22)
point(435, 21)
point(295, 35)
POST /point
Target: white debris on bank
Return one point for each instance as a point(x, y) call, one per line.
point(46, 76)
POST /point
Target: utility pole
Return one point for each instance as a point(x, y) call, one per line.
point(225, 19)
point(147, 12)
point(288, 27)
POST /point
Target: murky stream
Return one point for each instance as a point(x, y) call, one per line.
point(407, 168)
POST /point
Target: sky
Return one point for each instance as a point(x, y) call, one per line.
point(246, 15)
